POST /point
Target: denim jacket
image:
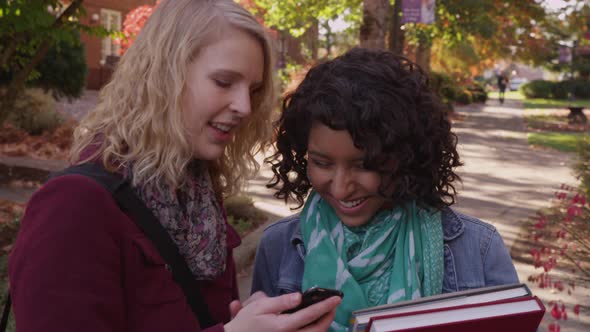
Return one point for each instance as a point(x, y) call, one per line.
point(474, 256)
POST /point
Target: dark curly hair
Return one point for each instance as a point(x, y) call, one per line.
point(384, 102)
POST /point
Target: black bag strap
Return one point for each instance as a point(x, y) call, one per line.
point(129, 203)
point(5, 312)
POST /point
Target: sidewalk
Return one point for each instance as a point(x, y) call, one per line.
point(505, 182)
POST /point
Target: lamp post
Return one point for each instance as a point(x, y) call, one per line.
point(576, 114)
point(573, 66)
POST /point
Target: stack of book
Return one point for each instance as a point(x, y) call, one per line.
point(497, 308)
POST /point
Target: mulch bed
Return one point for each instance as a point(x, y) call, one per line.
point(15, 142)
point(55, 145)
point(553, 120)
point(557, 126)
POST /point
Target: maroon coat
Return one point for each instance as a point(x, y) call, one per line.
point(80, 264)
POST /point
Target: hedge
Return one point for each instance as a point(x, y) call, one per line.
point(556, 90)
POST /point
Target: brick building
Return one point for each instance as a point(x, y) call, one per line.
point(102, 53)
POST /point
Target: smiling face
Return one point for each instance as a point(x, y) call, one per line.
point(220, 83)
point(335, 170)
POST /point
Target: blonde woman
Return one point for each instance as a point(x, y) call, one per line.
point(185, 111)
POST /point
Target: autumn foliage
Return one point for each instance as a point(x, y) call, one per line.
point(560, 250)
point(134, 22)
point(56, 144)
point(136, 18)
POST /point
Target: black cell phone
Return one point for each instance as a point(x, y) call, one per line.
point(314, 295)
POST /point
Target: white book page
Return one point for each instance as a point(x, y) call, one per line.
point(441, 317)
point(456, 301)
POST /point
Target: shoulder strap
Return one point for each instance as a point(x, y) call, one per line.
point(129, 203)
point(5, 312)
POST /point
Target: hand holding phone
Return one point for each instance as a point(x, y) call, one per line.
point(314, 295)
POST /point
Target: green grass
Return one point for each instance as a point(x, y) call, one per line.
point(546, 118)
point(241, 225)
point(514, 95)
point(242, 214)
point(540, 102)
point(554, 103)
point(566, 142)
point(550, 122)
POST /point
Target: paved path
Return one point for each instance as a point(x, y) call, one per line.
point(505, 181)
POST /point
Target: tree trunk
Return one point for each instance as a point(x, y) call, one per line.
point(17, 83)
point(19, 78)
point(326, 26)
point(9, 51)
point(423, 55)
point(396, 35)
point(374, 27)
point(312, 37)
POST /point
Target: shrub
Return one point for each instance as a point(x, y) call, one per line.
point(582, 165)
point(576, 89)
point(444, 87)
point(242, 214)
point(62, 71)
point(556, 90)
point(560, 249)
point(537, 89)
point(34, 112)
point(449, 91)
point(478, 93)
point(560, 246)
point(561, 90)
point(291, 75)
point(464, 97)
point(581, 89)
point(480, 97)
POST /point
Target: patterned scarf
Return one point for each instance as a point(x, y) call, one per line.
point(194, 219)
point(396, 256)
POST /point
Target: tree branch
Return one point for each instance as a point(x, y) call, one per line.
point(17, 83)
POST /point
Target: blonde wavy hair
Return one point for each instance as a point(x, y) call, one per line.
point(138, 120)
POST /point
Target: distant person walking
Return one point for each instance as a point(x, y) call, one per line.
point(502, 83)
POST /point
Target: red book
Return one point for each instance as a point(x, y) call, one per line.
point(521, 314)
point(360, 318)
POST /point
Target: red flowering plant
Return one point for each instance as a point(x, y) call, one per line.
point(134, 22)
point(561, 242)
point(561, 249)
point(136, 18)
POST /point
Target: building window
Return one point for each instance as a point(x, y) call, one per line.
point(111, 20)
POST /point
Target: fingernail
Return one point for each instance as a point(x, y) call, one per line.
point(295, 298)
point(338, 299)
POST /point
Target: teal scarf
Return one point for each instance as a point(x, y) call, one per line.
point(396, 256)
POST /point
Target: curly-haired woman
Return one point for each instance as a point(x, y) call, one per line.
point(365, 147)
point(187, 107)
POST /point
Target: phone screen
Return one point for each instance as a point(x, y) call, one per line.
point(314, 295)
